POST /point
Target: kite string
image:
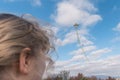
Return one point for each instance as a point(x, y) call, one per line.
point(78, 38)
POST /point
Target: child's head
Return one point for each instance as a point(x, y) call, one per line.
point(23, 49)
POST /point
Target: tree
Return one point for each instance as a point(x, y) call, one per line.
point(110, 78)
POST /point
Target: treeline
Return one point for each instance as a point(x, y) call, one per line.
point(81, 77)
point(65, 76)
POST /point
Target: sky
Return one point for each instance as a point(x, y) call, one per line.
point(98, 52)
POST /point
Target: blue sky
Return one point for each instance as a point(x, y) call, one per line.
point(99, 30)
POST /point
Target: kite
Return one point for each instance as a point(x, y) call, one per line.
point(79, 39)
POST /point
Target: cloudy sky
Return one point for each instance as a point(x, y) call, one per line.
point(98, 51)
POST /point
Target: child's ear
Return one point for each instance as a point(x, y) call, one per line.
point(24, 61)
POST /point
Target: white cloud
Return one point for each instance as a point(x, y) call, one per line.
point(70, 12)
point(86, 49)
point(51, 28)
point(108, 66)
point(62, 63)
point(36, 2)
point(116, 39)
point(33, 2)
point(82, 53)
point(87, 66)
point(100, 52)
point(117, 28)
point(55, 30)
point(71, 37)
point(80, 57)
point(84, 4)
point(92, 19)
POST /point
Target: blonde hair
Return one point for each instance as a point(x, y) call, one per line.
point(17, 33)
